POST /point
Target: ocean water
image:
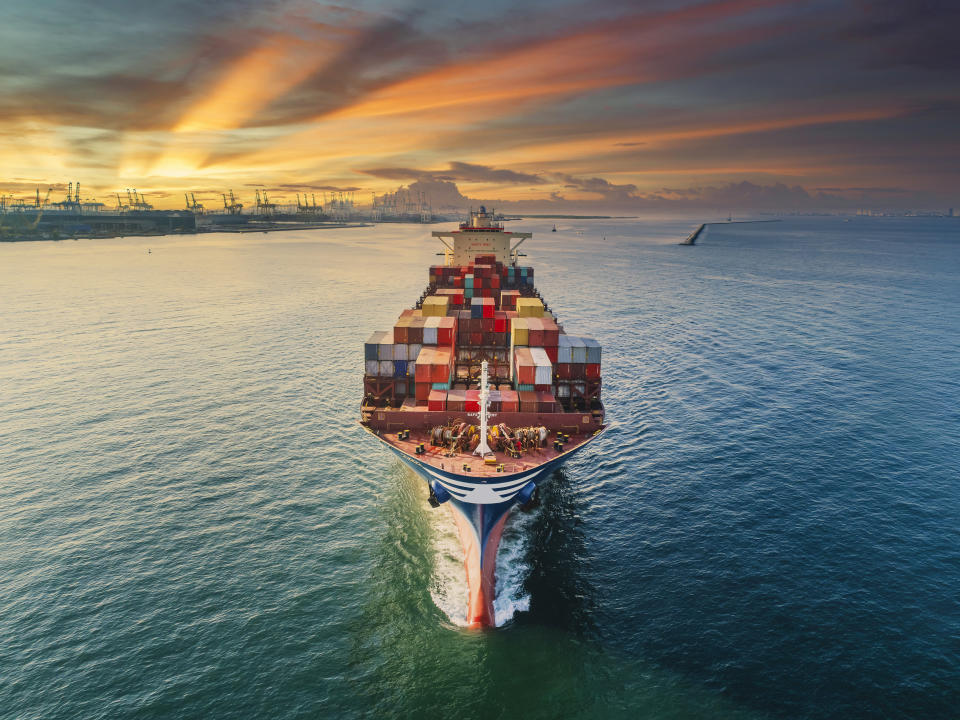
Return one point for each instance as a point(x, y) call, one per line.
point(193, 525)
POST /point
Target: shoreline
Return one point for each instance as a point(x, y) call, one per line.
point(204, 231)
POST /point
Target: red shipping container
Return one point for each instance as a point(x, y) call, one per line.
point(495, 282)
point(526, 368)
point(447, 331)
point(409, 312)
point(415, 333)
point(423, 392)
point(499, 322)
point(546, 402)
point(552, 353)
point(488, 310)
point(401, 332)
point(440, 368)
point(501, 339)
point(424, 360)
point(535, 327)
point(528, 401)
point(564, 370)
point(592, 370)
point(578, 371)
point(551, 333)
point(509, 401)
point(472, 403)
point(488, 324)
point(543, 388)
point(437, 400)
point(476, 338)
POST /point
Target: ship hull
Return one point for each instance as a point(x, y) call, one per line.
point(480, 524)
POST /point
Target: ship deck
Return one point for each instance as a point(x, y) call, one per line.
point(441, 459)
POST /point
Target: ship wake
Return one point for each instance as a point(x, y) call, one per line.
point(448, 586)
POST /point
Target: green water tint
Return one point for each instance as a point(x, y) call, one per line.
point(412, 661)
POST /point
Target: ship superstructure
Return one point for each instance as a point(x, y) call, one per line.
point(481, 391)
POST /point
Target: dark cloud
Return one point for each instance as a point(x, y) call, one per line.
point(604, 188)
point(464, 172)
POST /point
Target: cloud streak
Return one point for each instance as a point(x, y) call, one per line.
point(604, 102)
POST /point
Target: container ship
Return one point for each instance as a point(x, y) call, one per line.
point(481, 391)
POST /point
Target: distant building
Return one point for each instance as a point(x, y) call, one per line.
point(950, 212)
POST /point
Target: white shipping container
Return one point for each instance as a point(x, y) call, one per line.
point(386, 368)
point(430, 330)
point(544, 372)
point(593, 350)
point(400, 351)
point(564, 349)
point(371, 367)
point(413, 351)
point(579, 350)
point(385, 351)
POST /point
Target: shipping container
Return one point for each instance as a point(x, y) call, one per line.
point(472, 401)
point(519, 332)
point(593, 351)
point(509, 401)
point(370, 348)
point(546, 402)
point(529, 307)
point(431, 324)
point(446, 331)
point(524, 367)
point(544, 368)
point(401, 329)
point(435, 306)
point(535, 331)
point(456, 400)
point(528, 401)
point(551, 332)
point(415, 332)
point(437, 400)
point(422, 392)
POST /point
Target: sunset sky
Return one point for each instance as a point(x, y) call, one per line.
point(614, 105)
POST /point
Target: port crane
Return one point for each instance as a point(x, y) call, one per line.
point(137, 201)
point(264, 206)
point(234, 207)
point(192, 204)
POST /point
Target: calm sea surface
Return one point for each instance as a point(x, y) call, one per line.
point(192, 525)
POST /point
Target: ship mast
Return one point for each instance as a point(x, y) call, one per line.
point(483, 448)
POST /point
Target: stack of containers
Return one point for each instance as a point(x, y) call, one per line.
point(434, 371)
point(384, 376)
point(578, 369)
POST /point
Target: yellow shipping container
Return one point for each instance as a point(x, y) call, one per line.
point(519, 332)
point(435, 306)
point(529, 307)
